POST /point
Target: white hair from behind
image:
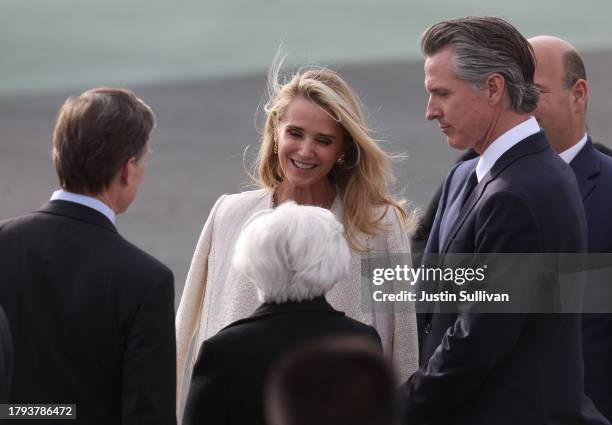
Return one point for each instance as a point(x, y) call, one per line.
point(292, 253)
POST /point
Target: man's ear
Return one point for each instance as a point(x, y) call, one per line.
point(494, 88)
point(127, 171)
point(579, 95)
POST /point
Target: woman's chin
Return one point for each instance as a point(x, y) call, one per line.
point(306, 183)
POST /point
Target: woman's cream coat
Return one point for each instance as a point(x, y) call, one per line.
point(216, 295)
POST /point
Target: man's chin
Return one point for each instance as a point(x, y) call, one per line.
point(457, 144)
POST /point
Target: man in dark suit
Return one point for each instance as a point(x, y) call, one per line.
point(480, 368)
point(561, 76)
point(92, 316)
point(6, 357)
point(305, 254)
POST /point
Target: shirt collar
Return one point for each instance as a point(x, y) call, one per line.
point(503, 143)
point(88, 201)
point(568, 155)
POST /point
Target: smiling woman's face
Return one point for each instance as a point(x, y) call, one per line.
point(309, 143)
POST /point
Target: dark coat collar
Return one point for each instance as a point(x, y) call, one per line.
point(78, 212)
point(586, 166)
point(316, 305)
point(533, 144)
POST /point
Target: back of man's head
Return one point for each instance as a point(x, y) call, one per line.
point(484, 45)
point(96, 133)
point(340, 381)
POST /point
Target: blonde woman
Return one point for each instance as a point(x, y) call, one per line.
point(315, 150)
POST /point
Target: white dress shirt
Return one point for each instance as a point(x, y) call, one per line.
point(88, 201)
point(568, 155)
point(503, 143)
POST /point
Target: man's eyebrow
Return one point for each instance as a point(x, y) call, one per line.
point(436, 90)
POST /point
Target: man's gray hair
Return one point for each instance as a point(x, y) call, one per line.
point(483, 46)
point(292, 253)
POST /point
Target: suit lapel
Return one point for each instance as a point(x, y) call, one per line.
point(532, 144)
point(464, 212)
point(454, 199)
point(586, 166)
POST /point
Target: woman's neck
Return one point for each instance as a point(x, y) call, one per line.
point(322, 195)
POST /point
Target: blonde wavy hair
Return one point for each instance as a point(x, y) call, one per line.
point(364, 178)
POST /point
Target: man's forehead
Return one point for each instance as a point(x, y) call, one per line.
point(439, 70)
point(440, 60)
point(440, 66)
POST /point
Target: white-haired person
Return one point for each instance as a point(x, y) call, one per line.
point(293, 255)
point(315, 150)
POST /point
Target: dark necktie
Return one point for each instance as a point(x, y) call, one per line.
point(452, 211)
point(470, 184)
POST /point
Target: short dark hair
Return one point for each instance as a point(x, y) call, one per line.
point(574, 69)
point(338, 381)
point(483, 46)
point(95, 134)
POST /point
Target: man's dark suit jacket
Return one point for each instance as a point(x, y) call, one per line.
point(594, 175)
point(229, 374)
point(92, 317)
point(505, 368)
point(6, 357)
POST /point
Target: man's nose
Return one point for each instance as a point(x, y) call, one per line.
point(433, 111)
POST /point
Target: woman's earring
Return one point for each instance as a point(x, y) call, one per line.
point(340, 160)
point(275, 149)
